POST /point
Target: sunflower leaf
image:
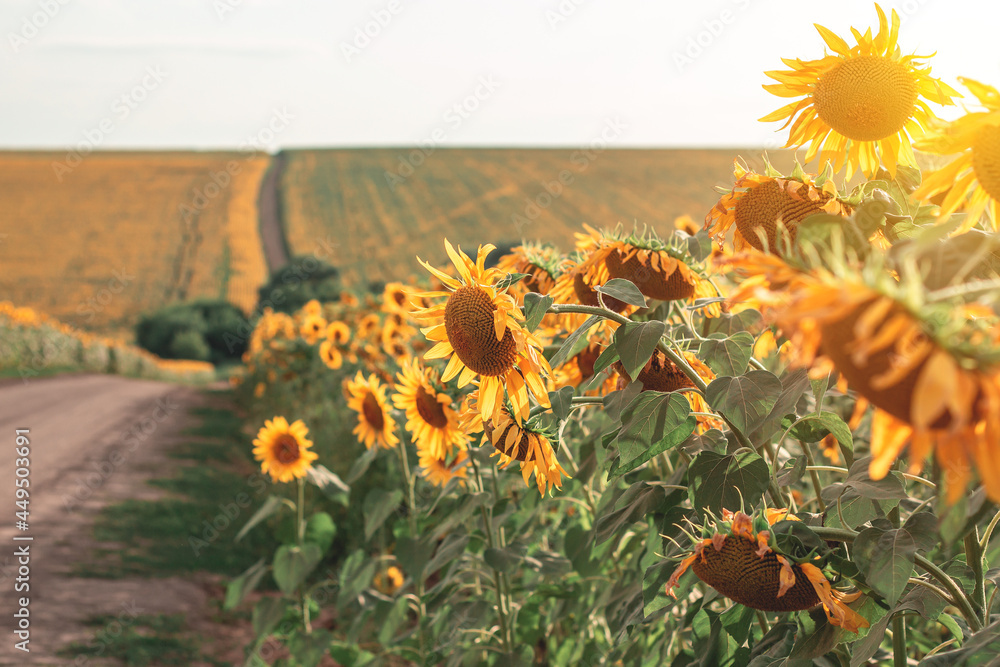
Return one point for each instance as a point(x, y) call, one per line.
point(727, 481)
point(535, 307)
point(266, 614)
point(238, 588)
point(377, 507)
point(727, 355)
point(793, 385)
point(636, 342)
point(653, 423)
point(329, 483)
point(270, 506)
point(745, 400)
point(569, 347)
point(885, 557)
point(623, 290)
point(292, 564)
point(842, 432)
point(562, 402)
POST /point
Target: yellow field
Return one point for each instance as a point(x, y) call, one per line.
point(121, 234)
point(380, 218)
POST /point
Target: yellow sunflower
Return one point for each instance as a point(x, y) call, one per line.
point(375, 424)
point(395, 298)
point(313, 327)
point(283, 449)
point(741, 564)
point(580, 368)
point(760, 204)
point(330, 355)
point(338, 332)
point(389, 581)
point(478, 328)
point(439, 470)
point(972, 180)
point(538, 261)
point(529, 446)
point(859, 104)
point(933, 384)
point(430, 415)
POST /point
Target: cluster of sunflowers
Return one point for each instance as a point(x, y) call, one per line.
point(889, 295)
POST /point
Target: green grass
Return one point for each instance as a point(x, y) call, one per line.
point(140, 641)
point(170, 536)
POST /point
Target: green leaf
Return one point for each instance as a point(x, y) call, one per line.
point(377, 507)
point(510, 279)
point(842, 432)
point(562, 402)
point(623, 290)
point(746, 400)
point(350, 655)
point(292, 564)
point(270, 507)
point(730, 323)
point(355, 575)
point(413, 555)
point(535, 307)
point(361, 464)
point(727, 355)
point(320, 530)
point(789, 475)
point(885, 558)
point(309, 649)
point(635, 343)
point(887, 488)
point(608, 356)
point(737, 621)
point(639, 501)
point(246, 583)
point(451, 548)
point(793, 385)
point(503, 560)
point(653, 423)
point(918, 599)
point(715, 479)
point(330, 484)
point(266, 615)
point(982, 648)
point(573, 343)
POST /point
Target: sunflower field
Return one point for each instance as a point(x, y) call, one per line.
point(769, 439)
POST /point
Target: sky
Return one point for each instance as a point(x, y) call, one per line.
point(224, 74)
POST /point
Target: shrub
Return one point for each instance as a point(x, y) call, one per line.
point(204, 330)
point(303, 279)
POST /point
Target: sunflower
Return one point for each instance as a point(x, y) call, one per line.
point(580, 368)
point(528, 445)
point(375, 424)
point(662, 374)
point(930, 370)
point(338, 332)
point(283, 449)
point(761, 203)
point(478, 327)
point(430, 414)
point(538, 261)
point(661, 270)
point(439, 470)
point(860, 103)
point(313, 307)
point(743, 565)
point(395, 298)
point(313, 327)
point(368, 326)
point(389, 581)
point(971, 180)
point(330, 355)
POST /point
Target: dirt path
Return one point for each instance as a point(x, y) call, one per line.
point(95, 440)
point(272, 229)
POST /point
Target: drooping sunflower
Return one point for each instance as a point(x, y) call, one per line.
point(860, 104)
point(761, 204)
point(744, 565)
point(539, 261)
point(932, 371)
point(330, 354)
point(579, 369)
point(430, 413)
point(478, 327)
point(662, 374)
point(283, 449)
point(661, 269)
point(971, 180)
point(439, 470)
point(528, 445)
point(375, 424)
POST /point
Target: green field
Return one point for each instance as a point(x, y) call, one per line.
point(380, 217)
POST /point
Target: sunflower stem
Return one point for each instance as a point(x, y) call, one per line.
point(989, 531)
point(491, 542)
point(817, 487)
point(412, 503)
point(958, 596)
point(762, 622)
point(300, 533)
point(898, 641)
point(974, 559)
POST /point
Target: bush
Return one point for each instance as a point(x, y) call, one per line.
point(303, 279)
point(205, 330)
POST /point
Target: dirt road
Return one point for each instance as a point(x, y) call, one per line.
point(94, 439)
point(272, 228)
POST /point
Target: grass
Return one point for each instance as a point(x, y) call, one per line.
point(192, 529)
point(140, 641)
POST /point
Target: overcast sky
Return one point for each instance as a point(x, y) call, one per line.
point(217, 73)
